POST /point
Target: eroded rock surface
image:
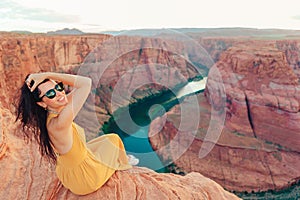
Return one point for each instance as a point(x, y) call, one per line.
point(25, 175)
point(258, 148)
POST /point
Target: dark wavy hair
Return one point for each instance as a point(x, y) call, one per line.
point(33, 118)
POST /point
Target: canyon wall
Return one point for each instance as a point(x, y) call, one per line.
point(147, 65)
point(260, 79)
point(258, 148)
point(23, 54)
point(26, 175)
point(126, 69)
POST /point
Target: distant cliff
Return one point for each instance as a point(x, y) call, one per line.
point(259, 145)
point(66, 31)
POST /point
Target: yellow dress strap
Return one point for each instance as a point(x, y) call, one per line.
point(50, 116)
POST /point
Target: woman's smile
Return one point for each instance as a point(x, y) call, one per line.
point(60, 99)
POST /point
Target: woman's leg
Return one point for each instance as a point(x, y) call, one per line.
point(109, 148)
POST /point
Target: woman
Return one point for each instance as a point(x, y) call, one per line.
point(45, 108)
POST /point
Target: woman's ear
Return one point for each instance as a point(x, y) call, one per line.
point(42, 104)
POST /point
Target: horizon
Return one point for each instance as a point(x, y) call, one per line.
point(116, 15)
point(145, 29)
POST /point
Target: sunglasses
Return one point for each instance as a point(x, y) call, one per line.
point(51, 93)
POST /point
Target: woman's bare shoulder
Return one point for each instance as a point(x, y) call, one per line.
point(61, 138)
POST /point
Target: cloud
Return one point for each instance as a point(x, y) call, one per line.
point(12, 10)
point(96, 25)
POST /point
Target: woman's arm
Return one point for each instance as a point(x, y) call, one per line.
point(75, 81)
point(81, 85)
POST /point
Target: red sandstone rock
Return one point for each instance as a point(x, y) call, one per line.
point(270, 87)
point(262, 68)
point(261, 126)
point(25, 175)
point(125, 69)
point(238, 161)
point(21, 55)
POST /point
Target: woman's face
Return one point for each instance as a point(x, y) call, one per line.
point(60, 99)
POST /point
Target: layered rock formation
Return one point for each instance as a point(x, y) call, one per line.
point(154, 64)
point(258, 83)
point(261, 79)
point(25, 175)
point(259, 145)
point(125, 69)
point(23, 54)
point(291, 49)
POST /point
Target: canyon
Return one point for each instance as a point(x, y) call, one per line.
point(257, 150)
point(258, 147)
point(27, 175)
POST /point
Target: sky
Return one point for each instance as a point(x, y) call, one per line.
point(109, 15)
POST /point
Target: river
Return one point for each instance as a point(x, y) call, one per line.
point(136, 141)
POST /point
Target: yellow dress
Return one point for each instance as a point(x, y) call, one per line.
point(87, 166)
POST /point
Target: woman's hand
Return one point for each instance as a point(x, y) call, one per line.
point(34, 80)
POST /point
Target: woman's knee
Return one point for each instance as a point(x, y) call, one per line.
point(115, 138)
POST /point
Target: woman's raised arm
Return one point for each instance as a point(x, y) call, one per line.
point(77, 97)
